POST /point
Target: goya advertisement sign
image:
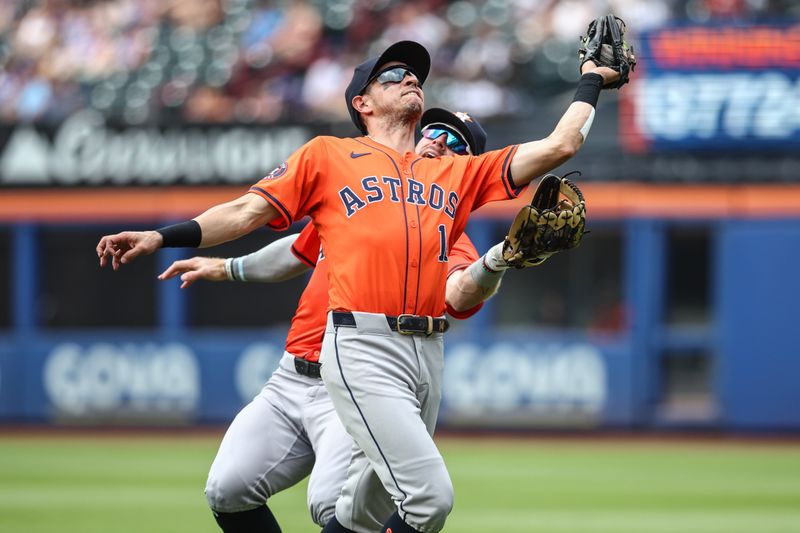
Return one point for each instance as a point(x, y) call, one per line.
point(94, 380)
point(709, 88)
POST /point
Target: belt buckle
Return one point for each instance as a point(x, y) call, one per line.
point(402, 331)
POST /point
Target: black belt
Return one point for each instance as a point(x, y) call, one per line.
point(307, 368)
point(403, 324)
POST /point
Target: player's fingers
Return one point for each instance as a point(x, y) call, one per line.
point(188, 278)
point(169, 273)
point(177, 267)
point(130, 255)
point(101, 247)
point(104, 251)
point(111, 248)
point(106, 242)
point(114, 256)
point(131, 251)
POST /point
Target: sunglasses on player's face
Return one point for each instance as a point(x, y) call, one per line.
point(394, 74)
point(454, 141)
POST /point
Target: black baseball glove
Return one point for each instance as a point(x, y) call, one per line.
point(605, 45)
point(550, 224)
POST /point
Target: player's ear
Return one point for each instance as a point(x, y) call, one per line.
point(362, 104)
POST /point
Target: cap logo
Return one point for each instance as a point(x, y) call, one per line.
point(463, 116)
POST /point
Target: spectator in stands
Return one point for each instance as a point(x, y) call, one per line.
point(265, 61)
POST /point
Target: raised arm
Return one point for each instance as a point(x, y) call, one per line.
point(535, 158)
point(272, 263)
point(221, 223)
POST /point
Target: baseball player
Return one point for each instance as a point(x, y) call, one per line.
point(292, 417)
point(386, 218)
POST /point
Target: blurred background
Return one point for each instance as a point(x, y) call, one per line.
point(676, 312)
point(664, 343)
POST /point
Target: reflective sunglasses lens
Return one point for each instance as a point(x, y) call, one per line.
point(453, 142)
point(432, 133)
point(435, 133)
point(393, 75)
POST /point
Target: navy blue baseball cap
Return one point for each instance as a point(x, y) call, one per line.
point(468, 127)
point(410, 53)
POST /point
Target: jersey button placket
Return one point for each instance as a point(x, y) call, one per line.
point(414, 237)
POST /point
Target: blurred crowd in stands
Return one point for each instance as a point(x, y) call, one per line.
point(208, 61)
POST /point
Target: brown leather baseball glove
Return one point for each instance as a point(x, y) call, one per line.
point(554, 221)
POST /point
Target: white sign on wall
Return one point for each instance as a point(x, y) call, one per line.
point(518, 379)
point(104, 378)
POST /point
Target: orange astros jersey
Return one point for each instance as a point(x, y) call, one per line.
point(386, 220)
point(304, 339)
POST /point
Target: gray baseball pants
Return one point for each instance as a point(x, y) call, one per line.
point(288, 431)
point(386, 388)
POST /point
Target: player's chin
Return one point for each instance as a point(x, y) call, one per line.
point(414, 110)
point(414, 101)
point(410, 113)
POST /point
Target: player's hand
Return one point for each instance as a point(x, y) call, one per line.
point(609, 74)
point(196, 268)
point(124, 247)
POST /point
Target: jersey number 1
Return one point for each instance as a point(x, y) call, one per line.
point(442, 244)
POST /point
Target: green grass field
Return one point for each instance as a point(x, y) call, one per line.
point(121, 484)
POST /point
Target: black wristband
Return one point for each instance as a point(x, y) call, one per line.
point(589, 88)
point(183, 235)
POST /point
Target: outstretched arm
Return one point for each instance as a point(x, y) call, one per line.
point(535, 158)
point(221, 223)
point(231, 220)
point(272, 263)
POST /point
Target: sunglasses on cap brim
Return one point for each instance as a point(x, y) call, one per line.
point(454, 142)
point(394, 74)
